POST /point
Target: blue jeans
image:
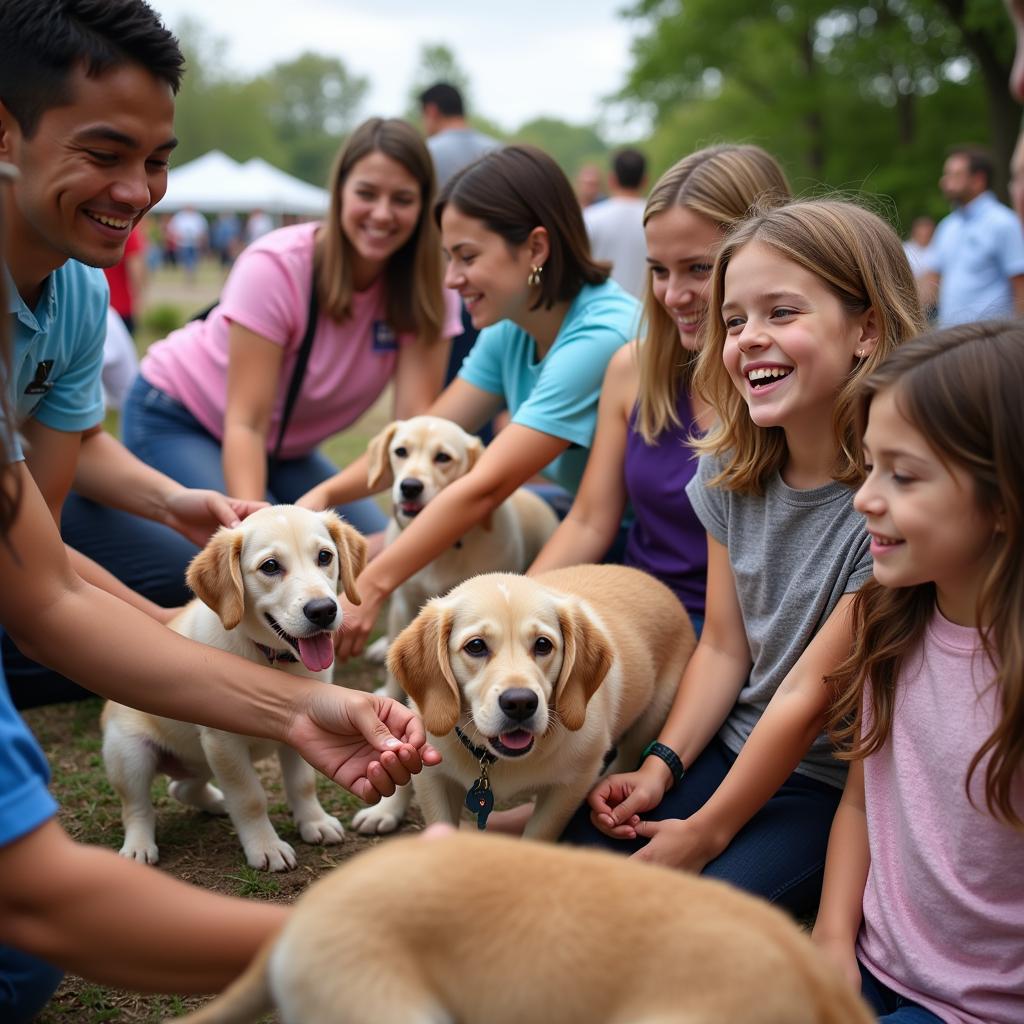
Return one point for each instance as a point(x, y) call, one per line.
point(26, 985)
point(891, 1007)
point(778, 855)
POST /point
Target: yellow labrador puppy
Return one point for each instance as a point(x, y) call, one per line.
point(484, 930)
point(526, 686)
point(421, 456)
point(267, 590)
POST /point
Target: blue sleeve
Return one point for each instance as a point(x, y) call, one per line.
point(25, 801)
point(933, 258)
point(1010, 247)
point(482, 367)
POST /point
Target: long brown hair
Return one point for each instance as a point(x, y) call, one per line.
point(721, 183)
point(414, 294)
point(961, 388)
point(860, 259)
point(515, 189)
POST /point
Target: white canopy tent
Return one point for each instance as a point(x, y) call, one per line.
point(214, 183)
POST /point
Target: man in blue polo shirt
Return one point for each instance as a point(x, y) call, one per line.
point(87, 116)
point(975, 263)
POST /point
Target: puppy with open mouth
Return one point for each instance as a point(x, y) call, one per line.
point(267, 591)
point(532, 686)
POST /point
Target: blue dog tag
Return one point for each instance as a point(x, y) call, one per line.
point(480, 801)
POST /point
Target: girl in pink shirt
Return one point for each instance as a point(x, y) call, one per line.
point(209, 401)
point(923, 901)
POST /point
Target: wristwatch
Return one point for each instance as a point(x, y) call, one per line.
point(666, 754)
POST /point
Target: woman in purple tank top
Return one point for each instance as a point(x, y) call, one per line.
point(647, 410)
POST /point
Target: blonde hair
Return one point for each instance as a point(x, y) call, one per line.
point(721, 183)
point(413, 275)
point(859, 258)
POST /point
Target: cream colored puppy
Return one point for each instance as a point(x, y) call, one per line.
point(267, 590)
point(421, 456)
point(525, 684)
point(485, 930)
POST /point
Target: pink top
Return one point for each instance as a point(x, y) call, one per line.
point(944, 903)
point(267, 292)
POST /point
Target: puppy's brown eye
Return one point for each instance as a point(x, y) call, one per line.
point(401, 452)
point(476, 648)
point(325, 557)
point(271, 567)
point(542, 645)
point(442, 457)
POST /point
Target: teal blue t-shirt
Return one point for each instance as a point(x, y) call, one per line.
point(557, 395)
point(58, 349)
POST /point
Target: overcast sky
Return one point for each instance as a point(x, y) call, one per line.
point(524, 59)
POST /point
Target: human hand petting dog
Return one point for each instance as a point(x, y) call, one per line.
point(617, 801)
point(676, 843)
point(197, 514)
point(357, 624)
point(368, 744)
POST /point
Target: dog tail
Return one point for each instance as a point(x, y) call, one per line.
point(244, 1001)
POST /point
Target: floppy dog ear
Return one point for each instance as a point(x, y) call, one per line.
point(215, 576)
point(379, 461)
point(418, 659)
point(351, 545)
point(586, 659)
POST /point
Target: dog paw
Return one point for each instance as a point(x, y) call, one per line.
point(271, 856)
point(377, 652)
point(327, 830)
point(143, 852)
point(372, 821)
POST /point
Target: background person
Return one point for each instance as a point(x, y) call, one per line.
point(209, 400)
point(550, 320)
point(648, 410)
point(452, 141)
point(616, 226)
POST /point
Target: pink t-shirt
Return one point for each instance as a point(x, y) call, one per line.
point(267, 292)
point(944, 902)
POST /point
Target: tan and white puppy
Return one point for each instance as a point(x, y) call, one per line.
point(421, 456)
point(267, 591)
point(543, 676)
point(485, 930)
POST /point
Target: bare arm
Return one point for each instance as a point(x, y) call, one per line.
point(928, 288)
point(1017, 284)
point(846, 874)
point(593, 521)
point(419, 376)
point(123, 924)
point(254, 375)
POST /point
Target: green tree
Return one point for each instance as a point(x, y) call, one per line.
point(572, 145)
point(437, 63)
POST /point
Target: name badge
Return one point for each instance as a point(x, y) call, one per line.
point(384, 338)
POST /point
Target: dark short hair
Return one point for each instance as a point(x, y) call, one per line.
point(445, 97)
point(516, 189)
point(629, 167)
point(979, 160)
point(42, 42)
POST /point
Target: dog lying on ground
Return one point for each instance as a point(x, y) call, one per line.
point(421, 456)
point(526, 684)
point(266, 591)
point(485, 930)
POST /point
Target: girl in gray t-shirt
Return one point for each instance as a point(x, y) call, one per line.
point(805, 300)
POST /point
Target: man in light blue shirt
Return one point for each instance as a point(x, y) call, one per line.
point(975, 263)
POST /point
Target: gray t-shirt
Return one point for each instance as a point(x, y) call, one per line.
point(794, 554)
point(457, 148)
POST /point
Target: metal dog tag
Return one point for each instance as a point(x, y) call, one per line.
point(480, 801)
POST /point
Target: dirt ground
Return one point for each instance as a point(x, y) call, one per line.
point(195, 847)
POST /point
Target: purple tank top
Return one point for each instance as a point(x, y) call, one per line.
point(666, 538)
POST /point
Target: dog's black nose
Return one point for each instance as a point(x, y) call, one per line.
point(411, 487)
point(321, 612)
point(518, 703)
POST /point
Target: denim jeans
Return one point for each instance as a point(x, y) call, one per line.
point(26, 985)
point(891, 1007)
point(778, 855)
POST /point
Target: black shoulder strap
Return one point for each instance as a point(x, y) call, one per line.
point(299, 370)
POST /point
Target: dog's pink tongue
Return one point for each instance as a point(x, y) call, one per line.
point(317, 652)
point(516, 740)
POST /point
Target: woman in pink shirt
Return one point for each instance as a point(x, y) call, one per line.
point(209, 400)
point(923, 904)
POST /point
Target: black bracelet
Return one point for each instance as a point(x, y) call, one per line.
point(668, 755)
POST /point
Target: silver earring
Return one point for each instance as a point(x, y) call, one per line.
point(533, 278)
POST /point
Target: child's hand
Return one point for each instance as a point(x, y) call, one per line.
point(617, 801)
point(677, 843)
point(840, 953)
